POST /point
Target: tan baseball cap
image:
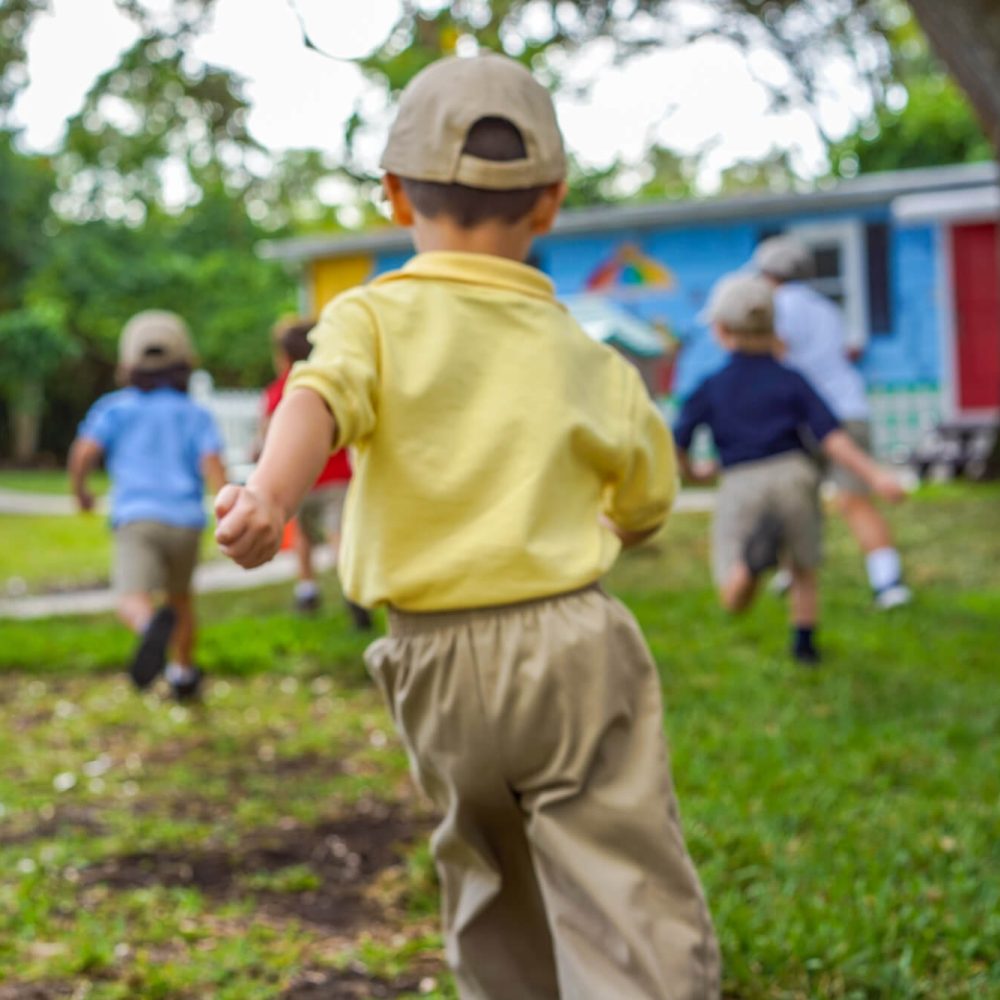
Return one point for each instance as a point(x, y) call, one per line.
point(442, 102)
point(784, 258)
point(154, 340)
point(742, 303)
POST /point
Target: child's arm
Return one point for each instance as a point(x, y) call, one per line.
point(842, 450)
point(702, 472)
point(251, 518)
point(84, 455)
point(213, 471)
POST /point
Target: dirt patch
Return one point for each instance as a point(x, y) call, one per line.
point(63, 819)
point(341, 858)
point(41, 991)
point(349, 985)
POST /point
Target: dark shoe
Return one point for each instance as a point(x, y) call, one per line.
point(808, 657)
point(764, 545)
point(307, 604)
point(189, 689)
point(361, 617)
point(151, 653)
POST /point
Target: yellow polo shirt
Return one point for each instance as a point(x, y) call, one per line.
point(488, 432)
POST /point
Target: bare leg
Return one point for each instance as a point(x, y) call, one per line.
point(803, 605)
point(803, 598)
point(184, 629)
point(865, 521)
point(737, 591)
point(303, 553)
point(135, 611)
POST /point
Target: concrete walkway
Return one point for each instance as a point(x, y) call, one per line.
point(215, 576)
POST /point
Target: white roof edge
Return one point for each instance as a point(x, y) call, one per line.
point(869, 189)
point(965, 205)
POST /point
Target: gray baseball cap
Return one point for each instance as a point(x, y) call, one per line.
point(442, 102)
point(742, 303)
point(154, 340)
point(785, 258)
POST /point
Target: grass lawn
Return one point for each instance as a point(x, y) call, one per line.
point(845, 821)
point(39, 554)
point(53, 481)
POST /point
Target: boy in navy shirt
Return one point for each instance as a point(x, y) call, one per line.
point(768, 503)
point(159, 448)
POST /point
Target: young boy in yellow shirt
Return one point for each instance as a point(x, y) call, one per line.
point(501, 460)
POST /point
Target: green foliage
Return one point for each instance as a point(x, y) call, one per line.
point(935, 126)
point(15, 19)
point(26, 184)
point(33, 342)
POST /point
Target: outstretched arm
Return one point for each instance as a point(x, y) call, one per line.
point(251, 518)
point(84, 455)
point(213, 471)
point(842, 450)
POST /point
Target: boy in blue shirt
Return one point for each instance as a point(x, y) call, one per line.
point(159, 448)
point(768, 503)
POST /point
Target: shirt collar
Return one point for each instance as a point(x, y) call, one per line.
point(479, 269)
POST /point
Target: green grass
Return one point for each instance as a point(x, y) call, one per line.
point(53, 481)
point(845, 821)
point(40, 554)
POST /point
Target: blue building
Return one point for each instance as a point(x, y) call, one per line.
point(911, 257)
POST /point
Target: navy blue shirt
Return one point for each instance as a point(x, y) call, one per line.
point(755, 408)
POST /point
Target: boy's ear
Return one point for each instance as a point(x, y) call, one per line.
point(543, 215)
point(402, 209)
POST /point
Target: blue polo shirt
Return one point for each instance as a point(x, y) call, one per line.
point(153, 444)
point(756, 408)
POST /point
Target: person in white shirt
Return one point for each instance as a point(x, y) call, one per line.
point(812, 330)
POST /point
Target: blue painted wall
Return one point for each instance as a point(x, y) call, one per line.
point(697, 255)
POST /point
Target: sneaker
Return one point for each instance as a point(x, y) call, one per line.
point(763, 546)
point(893, 596)
point(151, 653)
point(361, 617)
point(807, 657)
point(188, 688)
point(307, 604)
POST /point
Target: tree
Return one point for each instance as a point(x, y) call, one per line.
point(966, 36)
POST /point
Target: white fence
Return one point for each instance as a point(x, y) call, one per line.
point(237, 412)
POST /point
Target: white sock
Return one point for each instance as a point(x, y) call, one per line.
point(178, 673)
point(306, 589)
point(884, 568)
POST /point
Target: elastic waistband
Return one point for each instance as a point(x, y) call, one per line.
point(408, 623)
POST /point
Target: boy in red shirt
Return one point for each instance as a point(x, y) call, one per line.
point(320, 514)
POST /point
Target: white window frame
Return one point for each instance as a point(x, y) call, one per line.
point(849, 237)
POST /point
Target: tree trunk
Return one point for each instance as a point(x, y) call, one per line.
point(25, 407)
point(965, 34)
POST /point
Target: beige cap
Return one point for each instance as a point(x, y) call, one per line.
point(784, 258)
point(742, 303)
point(154, 340)
point(442, 102)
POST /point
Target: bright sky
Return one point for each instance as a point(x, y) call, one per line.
point(701, 97)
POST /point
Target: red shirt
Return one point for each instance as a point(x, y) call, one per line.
point(338, 466)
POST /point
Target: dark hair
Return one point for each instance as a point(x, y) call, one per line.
point(494, 139)
point(294, 340)
point(174, 377)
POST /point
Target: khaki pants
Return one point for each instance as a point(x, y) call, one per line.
point(537, 730)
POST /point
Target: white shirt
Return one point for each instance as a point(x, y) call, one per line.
point(812, 329)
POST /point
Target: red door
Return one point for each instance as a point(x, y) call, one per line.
point(976, 277)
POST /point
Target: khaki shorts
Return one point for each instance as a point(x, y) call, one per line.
point(785, 485)
point(320, 514)
point(151, 556)
point(860, 432)
point(537, 730)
